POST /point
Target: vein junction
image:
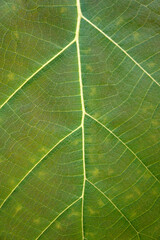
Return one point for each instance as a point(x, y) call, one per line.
point(79, 17)
point(76, 39)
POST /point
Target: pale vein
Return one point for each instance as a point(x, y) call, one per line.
point(113, 205)
point(124, 145)
point(36, 165)
point(38, 70)
point(92, 24)
point(57, 218)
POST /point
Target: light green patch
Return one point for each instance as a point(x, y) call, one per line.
point(91, 211)
point(36, 220)
point(155, 138)
point(43, 149)
point(32, 160)
point(58, 226)
point(87, 51)
point(98, 19)
point(146, 109)
point(93, 91)
point(18, 208)
point(139, 171)
point(129, 196)
point(96, 115)
point(133, 214)
point(89, 139)
point(11, 76)
point(137, 190)
point(89, 68)
point(95, 172)
point(63, 10)
point(16, 34)
point(155, 191)
point(90, 234)
point(147, 176)
point(91, 149)
point(74, 213)
point(119, 21)
point(99, 157)
point(155, 122)
point(76, 142)
point(12, 182)
point(136, 36)
point(151, 64)
point(41, 174)
point(14, 7)
point(110, 171)
point(101, 203)
point(105, 119)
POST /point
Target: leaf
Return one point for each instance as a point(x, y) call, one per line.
point(79, 119)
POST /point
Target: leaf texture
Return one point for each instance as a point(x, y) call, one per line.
point(79, 120)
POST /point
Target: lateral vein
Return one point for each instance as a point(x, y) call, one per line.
point(37, 165)
point(112, 204)
point(123, 144)
point(147, 236)
point(57, 218)
point(93, 25)
point(38, 70)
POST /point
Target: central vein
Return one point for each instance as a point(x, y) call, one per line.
point(79, 16)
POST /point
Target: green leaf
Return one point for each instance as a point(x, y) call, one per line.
point(79, 119)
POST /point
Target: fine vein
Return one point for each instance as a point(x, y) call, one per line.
point(79, 16)
point(112, 204)
point(57, 217)
point(147, 236)
point(87, 20)
point(37, 165)
point(38, 70)
point(124, 145)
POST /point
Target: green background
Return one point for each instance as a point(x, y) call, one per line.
point(79, 119)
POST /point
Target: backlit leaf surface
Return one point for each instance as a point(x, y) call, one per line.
point(79, 119)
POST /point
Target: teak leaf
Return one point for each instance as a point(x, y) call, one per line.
point(79, 120)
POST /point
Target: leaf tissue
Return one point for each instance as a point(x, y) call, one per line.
point(79, 120)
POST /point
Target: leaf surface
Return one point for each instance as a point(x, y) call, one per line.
point(79, 120)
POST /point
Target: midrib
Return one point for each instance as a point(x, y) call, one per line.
point(79, 16)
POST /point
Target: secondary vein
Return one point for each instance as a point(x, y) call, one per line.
point(113, 205)
point(124, 145)
point(13, 190)
point(38, 70)
point(128, 55)
point(57, 218)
